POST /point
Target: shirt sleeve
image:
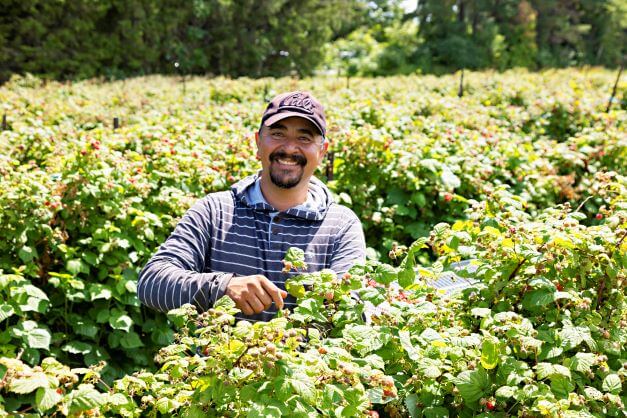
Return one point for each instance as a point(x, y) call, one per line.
point(175, 275)
point(349, 247)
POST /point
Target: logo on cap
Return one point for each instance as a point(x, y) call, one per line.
point(298, 100)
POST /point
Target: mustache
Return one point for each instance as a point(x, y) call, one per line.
point(300, 159)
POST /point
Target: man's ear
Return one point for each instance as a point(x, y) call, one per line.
point(325, 147)
point(257, 143)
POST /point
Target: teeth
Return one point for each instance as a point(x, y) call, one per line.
point(286, 162)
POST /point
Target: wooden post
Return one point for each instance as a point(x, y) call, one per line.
point(116, 123)
point(460, 92)
point(609, 102)
point(4, 122)
point(330, 158)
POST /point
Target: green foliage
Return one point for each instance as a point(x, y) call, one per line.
point(493, 177)
point(85, 39)
point(445, 36)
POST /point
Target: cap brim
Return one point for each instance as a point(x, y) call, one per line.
point(280, 116)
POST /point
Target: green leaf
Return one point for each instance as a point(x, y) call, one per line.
point(573, 336)
point(505, 392)
point(91, 258)
point(472, 385)
point(612, 384)
point(296, 256)
point(411, 402)
point(99, 291)
point(593, 393)
point(38, 338)
point(406, 277)
point(561, 386)
point(544, 370)
point(6, 311)
point(46, 398)
point(77, 347)
point(449, 180)
point(430, 368)
point(76, 266)
point(29, 384)
point(374, 295)
point(435, 412)
point(239, 374)
point(385, 274)
point(85, 397)
point(131, 340)
point(582, 362)
point(118, 320)
point(295, 289)
point(227, 305)
point(364, 338)
point(302, 385)
point(27, 253)
point(405, 340)
point(490, 353)
point(536, 299)
point(481, 312)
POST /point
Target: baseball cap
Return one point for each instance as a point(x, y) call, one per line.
point(295, 103)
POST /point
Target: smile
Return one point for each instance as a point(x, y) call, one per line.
point(285, 161)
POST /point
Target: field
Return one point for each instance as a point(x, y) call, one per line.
point(524, 175)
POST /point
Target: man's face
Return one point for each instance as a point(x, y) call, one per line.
point(290, 150)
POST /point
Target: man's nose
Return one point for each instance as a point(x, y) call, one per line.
point(291, 142)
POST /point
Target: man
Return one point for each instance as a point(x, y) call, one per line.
point(233, 242)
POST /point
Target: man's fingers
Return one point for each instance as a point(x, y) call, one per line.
point(245, 307)
point(255, 304)
point(264, 298)
point(274, 292)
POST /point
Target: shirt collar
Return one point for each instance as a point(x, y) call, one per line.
point(255, 196)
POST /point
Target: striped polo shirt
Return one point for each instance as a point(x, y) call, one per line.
point(237, 233)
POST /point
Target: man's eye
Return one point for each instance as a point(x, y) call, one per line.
point(277, 134)
point(305, 140)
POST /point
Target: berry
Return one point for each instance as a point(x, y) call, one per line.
point(347, 276)
point(328, 296)
point(388, 393)
point(387, 381)
point(287, 266)
point(60, 391)
point(322, 350)
point(599, 216)
point(448, 197)
point(490, 405)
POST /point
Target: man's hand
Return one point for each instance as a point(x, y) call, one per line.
point(253, 294)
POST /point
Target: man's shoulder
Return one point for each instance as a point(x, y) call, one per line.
point(222, 200)
point(338, 213)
